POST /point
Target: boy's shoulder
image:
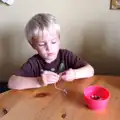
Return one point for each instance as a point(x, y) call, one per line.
point(65, 51)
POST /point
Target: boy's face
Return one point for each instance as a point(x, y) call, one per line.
point(48, 44)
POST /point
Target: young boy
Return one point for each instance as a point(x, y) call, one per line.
point(51, 64)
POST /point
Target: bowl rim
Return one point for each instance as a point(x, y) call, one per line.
point(99, 87)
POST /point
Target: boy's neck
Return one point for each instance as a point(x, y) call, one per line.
point(49, 61)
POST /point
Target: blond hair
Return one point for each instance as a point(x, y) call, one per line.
point(38, 23)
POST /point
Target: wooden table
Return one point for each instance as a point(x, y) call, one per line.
point(47, 103)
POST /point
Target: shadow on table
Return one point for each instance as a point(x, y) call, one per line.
point(113, 81)
point(76, 97)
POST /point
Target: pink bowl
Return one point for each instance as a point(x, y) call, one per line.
point(96, 97)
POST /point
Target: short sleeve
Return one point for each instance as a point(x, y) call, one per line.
point(27, 69)
point(75, 61)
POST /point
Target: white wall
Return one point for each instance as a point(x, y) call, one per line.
point(88, 28)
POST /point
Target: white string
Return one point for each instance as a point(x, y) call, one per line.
point(63, 90)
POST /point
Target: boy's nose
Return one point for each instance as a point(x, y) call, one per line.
point(48, 47)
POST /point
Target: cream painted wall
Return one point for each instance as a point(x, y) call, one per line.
point(88, 28)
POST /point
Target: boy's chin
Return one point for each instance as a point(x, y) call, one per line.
point(49, 60)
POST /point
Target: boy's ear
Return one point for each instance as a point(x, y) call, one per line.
point(32, 45)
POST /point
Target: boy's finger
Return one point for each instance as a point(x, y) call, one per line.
point(52, 73)
point(64, 77)
point(63, 73)
point(53, 79)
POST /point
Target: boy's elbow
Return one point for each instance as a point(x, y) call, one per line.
point(12, 82)
point(91, 71)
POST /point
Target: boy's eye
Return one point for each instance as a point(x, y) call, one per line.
point(41, 44)
point(53, 42)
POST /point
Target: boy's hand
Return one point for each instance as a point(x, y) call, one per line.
point(68, 75)
point(49, 77)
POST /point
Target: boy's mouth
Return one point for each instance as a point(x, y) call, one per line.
point(50, 54)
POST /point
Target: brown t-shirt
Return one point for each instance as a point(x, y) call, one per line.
point(35, 65)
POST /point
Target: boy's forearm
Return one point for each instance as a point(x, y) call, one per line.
point(84, 72)
point(18, 82)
